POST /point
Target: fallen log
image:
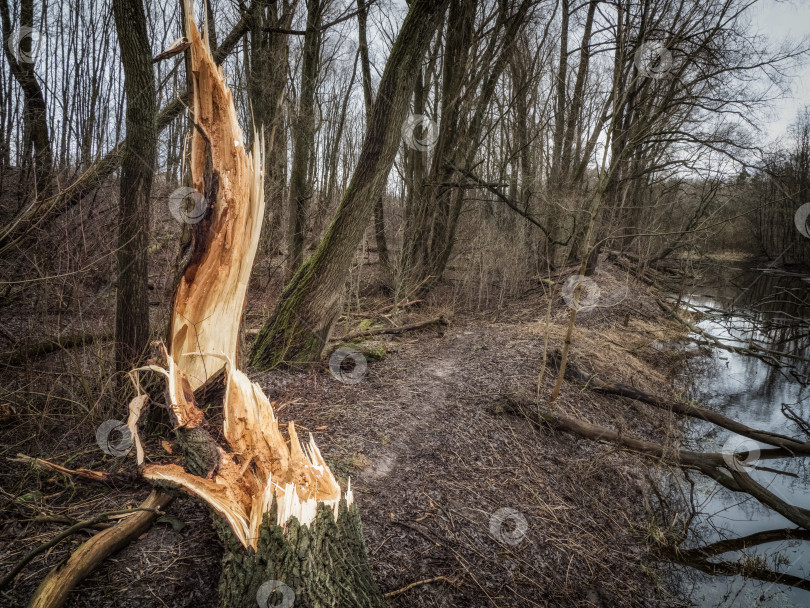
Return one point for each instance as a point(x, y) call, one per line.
point(593, 382)
point(714, 465)
point(54, 591)
point(51, 345)
point(391, 330)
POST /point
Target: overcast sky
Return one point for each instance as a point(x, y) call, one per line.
point(779, 20)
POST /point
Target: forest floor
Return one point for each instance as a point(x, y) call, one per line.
point(434, 460)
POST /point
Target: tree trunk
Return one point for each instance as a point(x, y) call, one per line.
point(299, 327)
point(368, 96)
point(304, 140)
point(290, 533)
point(132, 301)
point(35, 113)
point(324, 564)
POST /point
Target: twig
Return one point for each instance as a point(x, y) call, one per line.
point(416, 584)
point(39, 463)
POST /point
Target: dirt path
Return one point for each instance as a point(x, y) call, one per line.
point(434, 465)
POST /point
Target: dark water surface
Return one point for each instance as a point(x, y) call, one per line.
point(772, 310)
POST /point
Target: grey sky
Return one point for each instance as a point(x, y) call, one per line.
point(779, 20)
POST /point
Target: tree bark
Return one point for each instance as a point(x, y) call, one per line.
point(324, 564)
point(35, 111)
point(368, 96)
point(299, 327)
point(267, 80)
point(132, 300)
point(304, 139)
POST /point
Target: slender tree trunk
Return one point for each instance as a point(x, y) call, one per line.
point(267, 80)
point(35, 112)
point(300, 325)
point(132, 302)
point(304, 140)
point(368, 96)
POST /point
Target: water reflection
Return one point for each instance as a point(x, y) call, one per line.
point(769, 310)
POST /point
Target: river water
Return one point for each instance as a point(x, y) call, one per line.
point(772, 310)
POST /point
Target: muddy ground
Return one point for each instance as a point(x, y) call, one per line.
point(434, 460)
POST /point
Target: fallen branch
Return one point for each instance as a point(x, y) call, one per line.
point(56, 519)
point(39, 463)
point(151, 511)
point(51, 345)
point(593, 382)
point(748, 570)
point(391, 330)
point(416, 584)
point(712, 465)
point(769, 356)
point(744, 542)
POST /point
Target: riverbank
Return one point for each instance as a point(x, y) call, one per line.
point(452, 488)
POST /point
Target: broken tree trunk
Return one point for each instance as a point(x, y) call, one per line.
point(288, 529)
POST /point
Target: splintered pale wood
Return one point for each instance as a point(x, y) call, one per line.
point(260, 469)
point(211, 295)
point(259, 473)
